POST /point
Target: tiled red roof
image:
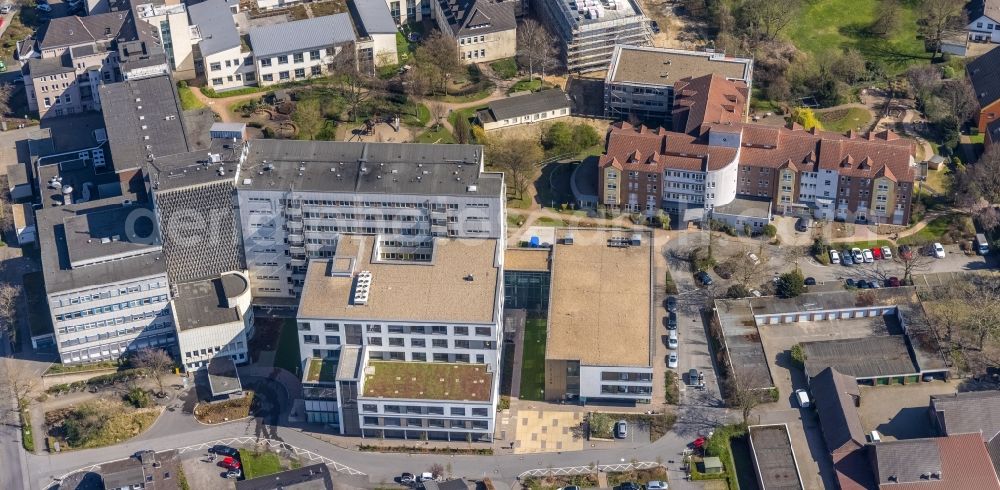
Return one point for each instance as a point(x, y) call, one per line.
point(708, 99)
point(638, 148)
point(965, 464)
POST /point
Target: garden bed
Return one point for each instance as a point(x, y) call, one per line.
point(555, 482)
point(227, 411)
point(98, 423)
point(657, 473)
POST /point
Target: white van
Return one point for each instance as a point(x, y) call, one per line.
point(834, 257)
point(803, 398)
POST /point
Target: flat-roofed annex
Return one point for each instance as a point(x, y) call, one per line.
point(600, 299)
point(459, 284)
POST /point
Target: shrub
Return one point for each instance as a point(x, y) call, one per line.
point(600, 425)
point(770, 231)
point(791, 284)
point(671, 286)
point(737, 291)
point(673, 395)
point(798, 356)
point(138, 397)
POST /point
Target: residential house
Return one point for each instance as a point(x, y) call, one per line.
point(643, 82)
point(383, 310)
point(970, 412)
point(376, 32)
point(525, 108)
point(984, 74)
point(222, 59)
point(589, 30)
point(299, 49)
point(485, 30)
point(984, 21)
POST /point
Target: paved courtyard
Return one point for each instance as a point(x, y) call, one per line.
point(540, 431)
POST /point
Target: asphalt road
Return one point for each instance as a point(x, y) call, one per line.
point(12, 458)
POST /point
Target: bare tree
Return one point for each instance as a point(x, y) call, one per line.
point(939, 20)
point(518, 158)
point(746, 271)
point(438, 113)
point(763, 20)
point(156, 363)
point(18, 380)
point(747, 394)
point(437, 58)
point(308, 117)
point(6, 91)
point(913, 261)
point(959, 97)
point(9, 294)
point(356, 85)
point(535, 46)
point(887, 18)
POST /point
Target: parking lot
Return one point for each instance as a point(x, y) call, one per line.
point(204, 474)
point(954, 261)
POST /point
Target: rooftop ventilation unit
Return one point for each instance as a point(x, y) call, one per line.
point(362, 287)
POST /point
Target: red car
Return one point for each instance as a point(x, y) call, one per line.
point(699, 443)
point(229, 463)
point(893, 282)
point(877, 253)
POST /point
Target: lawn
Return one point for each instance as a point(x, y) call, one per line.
point(533, 360)
point(844, 120)
point(936, 229)
point(422, 117)
point(533, 85)
point(439, 135)
point(22, 24)
point(188, 100)
point(939, 180)
point(405, 48)
point(862, 244)
point(827, 26)
point(322, 371)
point(505, 68)
point(287, 356)
point(98, 423)
point(547, 221)
point(257, 464)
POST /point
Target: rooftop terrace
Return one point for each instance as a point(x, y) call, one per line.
point(428, 381)
point(321, 371)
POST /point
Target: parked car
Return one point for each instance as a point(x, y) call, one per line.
point(629, 486)
point(653, 26)
point(938, 251)
point(850, 283)
point(229, 463)
point(671, 321)
point(874, 284)
point(571, 487)
point(886, 253)
point(672, 340)
point(905, 252)
point(863, 284)
point(656, 485)
point(672, 360)
point(810, 281)
point(672, 304)
point(803, 224)
point(802, 398)
point(407, 478)
point(6, 8)
point(846, 258)
point(834, 257)
point(753, 258)
point(859, 258)
point(877, 253)
point(892, 282)
point(867, 255)
point(224, 451)
point(693, 377)
point(425, 476)
point(703, 278)
point(621, 429)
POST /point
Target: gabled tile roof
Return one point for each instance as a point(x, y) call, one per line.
point(989, 8)
point(960, 413)
point(984, 73)
point(708, 99)
point(643, 149)
point(467, 17)
point(73, 30)
point(963, 461)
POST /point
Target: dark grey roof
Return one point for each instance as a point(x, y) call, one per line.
point(534, 103)
point(906, 461)
point(746, 206)
point(867, 357)
point(774, 458)
point(984, 73)
point(301, 35)
point(989, 8)
point(73, 30)
point(310, 477)
point(974, 411)
point(216, 25)
point(467, 17)
point(373, 17)
point(836, 300)
point(123, 474)
point(41, 67)
point(204, 303)
point(833, 395)
point(376, 168)
point(142, 118)
point(102, 234)
point(223, 378)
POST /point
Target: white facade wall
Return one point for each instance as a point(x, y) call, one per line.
point(298, 65)
point(606, 381)
point(200, 345)
point(277, 267)
point(171, 21)
point(984, 29)
point(407, 11)
point(720, 185)
point(384, 49)
point(227, 70)
point(455, 418)
point(527, 119)
point(103, 322)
